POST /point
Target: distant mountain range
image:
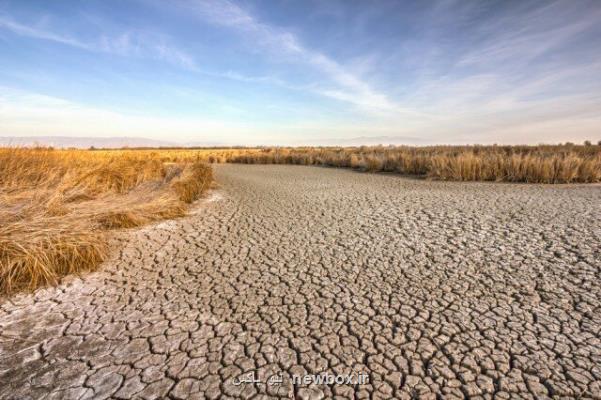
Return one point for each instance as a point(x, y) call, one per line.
point(119, 142)
point(98, 142)
point(371, 141)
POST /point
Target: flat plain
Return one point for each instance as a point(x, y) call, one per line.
point(428, 287)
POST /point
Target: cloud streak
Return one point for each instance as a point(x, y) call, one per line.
point(23, 113)
point(523, 38)
point(124, 44)
point(28, 31)
point(347, 87)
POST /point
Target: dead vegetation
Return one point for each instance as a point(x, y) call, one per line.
point(532, 164)
point(57, 206)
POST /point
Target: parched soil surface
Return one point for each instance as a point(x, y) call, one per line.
point(455, 289)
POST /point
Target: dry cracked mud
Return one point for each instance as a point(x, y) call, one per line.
point(431, 289)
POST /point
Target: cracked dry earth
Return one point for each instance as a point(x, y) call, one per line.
point(432, 289)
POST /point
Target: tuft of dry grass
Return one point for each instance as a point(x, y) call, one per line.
point(58, 206)
point(192, 182)
point(532, 164)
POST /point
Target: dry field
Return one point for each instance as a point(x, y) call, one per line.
point(56, 206)
point(533, 164)
point(434, 290)
point(566, 163)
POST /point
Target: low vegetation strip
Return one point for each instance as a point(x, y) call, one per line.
point(566, 163)
point(533, 164)
point(57, 206)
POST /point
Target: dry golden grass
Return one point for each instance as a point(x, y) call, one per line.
point(567, 163)
point(56, 206)
point(532, 164)
point(177, 155)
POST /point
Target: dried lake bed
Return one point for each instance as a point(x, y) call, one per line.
point(448, 288)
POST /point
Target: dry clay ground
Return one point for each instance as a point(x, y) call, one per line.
point(458, 289)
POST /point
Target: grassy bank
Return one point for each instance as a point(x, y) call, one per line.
point(532, 164)
point(58, 206)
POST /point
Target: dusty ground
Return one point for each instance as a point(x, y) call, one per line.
point(426, 287)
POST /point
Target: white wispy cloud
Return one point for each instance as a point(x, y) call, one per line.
point(345, 86)
point(523, 37)
point(39, 33)
point(136, 44)
point(24, 113)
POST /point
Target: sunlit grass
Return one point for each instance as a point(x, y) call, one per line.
point(532, 164)
point(57, 206)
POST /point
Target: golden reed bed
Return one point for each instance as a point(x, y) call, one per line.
point(57, 206)
point(531, 164)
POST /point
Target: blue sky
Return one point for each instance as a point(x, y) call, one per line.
point(302, 72)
